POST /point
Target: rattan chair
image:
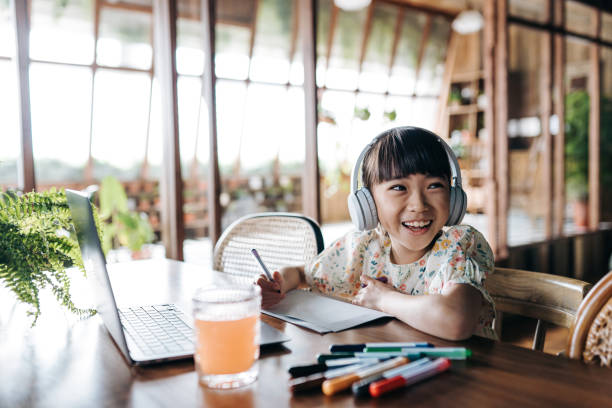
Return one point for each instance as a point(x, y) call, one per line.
point(590, 337)
point(545, 297)
point(282, 239)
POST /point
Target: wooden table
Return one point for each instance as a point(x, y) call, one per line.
point(64, 361)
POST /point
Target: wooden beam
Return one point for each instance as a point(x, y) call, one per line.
point(501, 135)
point(422, 45)
point(171, 182)
point(427, 6)
point(594, 128)
point(396, 39)
point(21, 25)
point(489, 40)
point(209, 81)
point(545, 113)
point(311, 192)
point(333, 21)
point(366, 35)
point(559, 142)
point(449, 67)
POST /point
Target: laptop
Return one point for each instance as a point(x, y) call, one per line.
point(145, 334)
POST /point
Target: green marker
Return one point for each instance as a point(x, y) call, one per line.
point(452, 353)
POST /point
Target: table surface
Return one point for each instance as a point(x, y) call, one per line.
point(66, 361)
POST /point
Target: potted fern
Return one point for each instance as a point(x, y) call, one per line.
point(37, 246)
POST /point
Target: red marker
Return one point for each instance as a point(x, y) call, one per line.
point(427, 370)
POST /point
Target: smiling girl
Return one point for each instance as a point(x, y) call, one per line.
point(408, 257)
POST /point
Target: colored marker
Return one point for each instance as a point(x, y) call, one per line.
point(453, 353)
point(429, 370)
point(330, 387)
point(362, 388)
point(315, 380)
point(351, 360)
point(322, 358)
point(335, 348)
point(304, 370)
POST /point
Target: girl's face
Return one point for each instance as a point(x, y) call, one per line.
point(412, 209)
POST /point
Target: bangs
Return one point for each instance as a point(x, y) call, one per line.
point(400, 153)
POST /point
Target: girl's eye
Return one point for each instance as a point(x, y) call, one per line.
point(435, 185)
point(398, 187)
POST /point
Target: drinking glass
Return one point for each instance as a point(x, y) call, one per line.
point(227, 334)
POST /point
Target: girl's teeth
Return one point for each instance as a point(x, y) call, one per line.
point(417, 224)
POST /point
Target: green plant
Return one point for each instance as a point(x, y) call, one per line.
point(362, 113)
point(577, 144)
point(121, 227)
point(391, 115)
point(37, 245)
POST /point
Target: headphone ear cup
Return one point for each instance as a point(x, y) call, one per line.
point(457, 206)
point(363, 210)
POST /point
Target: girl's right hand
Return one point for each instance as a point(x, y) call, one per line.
point(271, 292)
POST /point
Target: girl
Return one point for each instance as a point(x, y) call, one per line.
point(403, 260)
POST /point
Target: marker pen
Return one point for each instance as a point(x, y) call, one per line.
point(335, 348)
point(362, 388)
point(330, 387)
point(428, 370)
point(322, 358)
point(453, 353)
point(315, 380)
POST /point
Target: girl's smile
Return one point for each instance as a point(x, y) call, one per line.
point(413, 210)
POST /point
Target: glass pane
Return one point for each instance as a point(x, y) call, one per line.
point(403, 75)
point(375, 69)
point(9, 125)
point(432, 67)
point(525, 142)
point(606, 134)
point(579, 18)
point(62, 31)
point(7, 41)
point(125, 38)
point(189, 96)
point(577, 104)
point(121, 110)
point(606, 26)
point(231, 105)
point(534, 10)
point(189, 46)
point(61, 103)
point(232, 51)
point(344, 60)
point(270, 61)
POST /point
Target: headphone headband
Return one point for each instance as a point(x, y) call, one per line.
point(452, 159)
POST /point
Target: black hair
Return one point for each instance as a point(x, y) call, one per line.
point(402, 151)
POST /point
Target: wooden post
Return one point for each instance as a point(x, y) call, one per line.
point(594, 128)
point(545, 114)
point(171, 182)
point(489, 39)
point(310, 185)
point(501, 136)
point(21, 24)
point(208, 92)
point(559, 103)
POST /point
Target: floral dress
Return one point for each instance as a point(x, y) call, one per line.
point(459, 255)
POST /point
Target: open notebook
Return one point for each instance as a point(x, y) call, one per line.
point(321, 313)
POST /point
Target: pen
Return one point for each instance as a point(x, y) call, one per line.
point(263, 265)
point(350, 360)
point(322, 358)
point(334, 348)
point(428, 370)
point(453, 353)
point(304, 370)
point(315, 380)
point(362, 388)
point(330, 387)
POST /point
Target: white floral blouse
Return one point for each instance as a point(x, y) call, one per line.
point(460, 255)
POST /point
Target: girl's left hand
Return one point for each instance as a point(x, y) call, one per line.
point(371, 292)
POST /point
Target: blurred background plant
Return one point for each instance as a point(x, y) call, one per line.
point(121, 226)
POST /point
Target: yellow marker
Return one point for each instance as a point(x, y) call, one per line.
point(334, 385)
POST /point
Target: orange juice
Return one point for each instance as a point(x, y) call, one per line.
point(227, 346)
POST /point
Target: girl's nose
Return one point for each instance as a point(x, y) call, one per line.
point(416, 202)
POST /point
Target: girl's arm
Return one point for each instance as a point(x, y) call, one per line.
point(451, 315)
point(288, 278)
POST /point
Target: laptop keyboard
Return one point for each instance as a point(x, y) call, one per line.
point(157, 330)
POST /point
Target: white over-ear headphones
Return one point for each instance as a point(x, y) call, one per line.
point(361, 202)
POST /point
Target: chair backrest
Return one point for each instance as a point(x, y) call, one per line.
point(545, 297)
point(282, 239)
point(591, 335)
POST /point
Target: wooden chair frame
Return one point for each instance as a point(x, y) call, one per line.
point(545, 297)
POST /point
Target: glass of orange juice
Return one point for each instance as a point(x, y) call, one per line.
point(227, 335)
